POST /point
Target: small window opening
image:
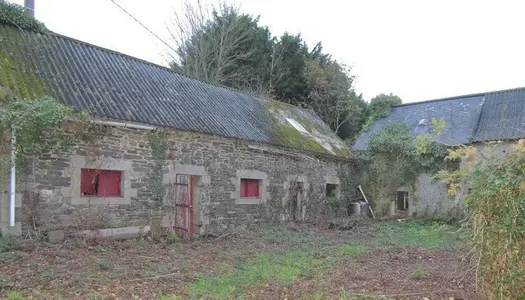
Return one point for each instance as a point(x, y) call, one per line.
point(402, 200)
point(331, 190)
point(100, 183)
point(250, 188)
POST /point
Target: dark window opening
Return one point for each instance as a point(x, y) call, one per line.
point(331, 190)
point(402, 200)
point(250, 188)
point(100, 183)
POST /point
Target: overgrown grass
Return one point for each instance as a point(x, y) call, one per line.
point(420, 234)
point(284, 267)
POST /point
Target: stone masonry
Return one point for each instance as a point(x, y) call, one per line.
point(219, 164)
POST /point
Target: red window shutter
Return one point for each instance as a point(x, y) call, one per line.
point(88, 179)
point(109, 183)
point(250, 188)
point(243, 188)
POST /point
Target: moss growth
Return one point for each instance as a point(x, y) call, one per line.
point(287, 135)
point(16, 78)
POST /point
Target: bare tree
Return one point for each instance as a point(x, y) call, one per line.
point(209, 41)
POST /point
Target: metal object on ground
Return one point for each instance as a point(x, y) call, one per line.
point(369, 207)
point(360, 207)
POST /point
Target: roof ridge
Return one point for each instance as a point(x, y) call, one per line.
point(260, 98)
point(460, 97)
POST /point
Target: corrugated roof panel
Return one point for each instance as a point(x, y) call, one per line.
point(113, 85)
point(502, 116)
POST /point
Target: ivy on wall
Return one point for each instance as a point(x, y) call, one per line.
point(395, 158)
point(15, 15)
point(39, 126)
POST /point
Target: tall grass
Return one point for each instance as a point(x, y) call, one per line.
point(497, 203)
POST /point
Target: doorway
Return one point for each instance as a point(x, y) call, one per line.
point(186, 198)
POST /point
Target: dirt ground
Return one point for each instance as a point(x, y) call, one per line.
point(377, 261)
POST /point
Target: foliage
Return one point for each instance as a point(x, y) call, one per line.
point(159, 146)
point(417, 234)
point(418, 273)
point(15, 295)
point(497, 205)
point(380, 107)
point(15, 15)
point(6, 243)
point(173, 238)
point(395, 158)
point(37, 124)
point(226, 47)
point(495, 200)
point(283, 267)
point(331, 94)
point(104, 264)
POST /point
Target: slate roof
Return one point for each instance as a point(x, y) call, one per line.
point(502, 116)
point(112, 85)
point(498, 115)
point(461, 115)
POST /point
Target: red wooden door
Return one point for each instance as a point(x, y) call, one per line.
point(184, 206)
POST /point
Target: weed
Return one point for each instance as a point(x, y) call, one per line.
point(169, 297)
point(115, 275)
point(6, 243)
point(284, 267)
point(9, 257)
point(414, 234)
point(47, 275)
point(15, 295)
point(173, 238)
point(352, 250)
point(418, 273)
point(104, 264)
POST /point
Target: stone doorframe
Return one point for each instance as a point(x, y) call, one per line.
point(286, 186)
point(201, 193)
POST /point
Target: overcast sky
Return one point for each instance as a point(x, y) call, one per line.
point(419, 50)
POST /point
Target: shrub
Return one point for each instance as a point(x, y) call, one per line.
point(6, 243)
point(497, 203)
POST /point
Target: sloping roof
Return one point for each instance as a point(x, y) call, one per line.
point(502, 116)
point(112, 85)
point(461, 115)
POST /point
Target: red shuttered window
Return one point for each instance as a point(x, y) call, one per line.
point(250, 188)
point(101, 183)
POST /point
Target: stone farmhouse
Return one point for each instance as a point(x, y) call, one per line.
point(228, 158)
point(471, 119)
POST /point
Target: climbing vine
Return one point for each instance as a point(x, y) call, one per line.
point(15, 15)
point(39, 126)
point(395, 158)
point(159, 147)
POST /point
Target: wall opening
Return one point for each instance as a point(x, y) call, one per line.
point(402, 200)
point(296, 201)
point(185, 195)
point(250, 188)
point(100, 183)
point(331, 190)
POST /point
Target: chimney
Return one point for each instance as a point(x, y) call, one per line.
point(30, 7)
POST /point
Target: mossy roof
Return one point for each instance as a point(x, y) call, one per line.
point(112, 85)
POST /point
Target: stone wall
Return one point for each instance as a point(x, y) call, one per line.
point(219, 163)
point(429, 197)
